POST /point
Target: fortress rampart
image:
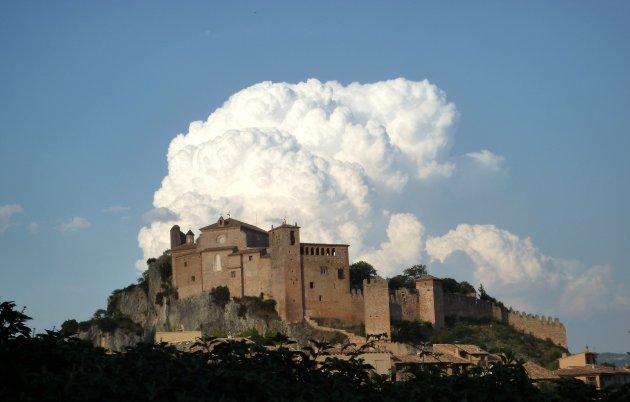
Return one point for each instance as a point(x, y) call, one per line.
point(406, 304)
point(540, 327)
point(312, 280)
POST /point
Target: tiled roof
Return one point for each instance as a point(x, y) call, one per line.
point(434, 358)
point(231, 222)
point(576, 371)
point(537, 372)
point(453, 348)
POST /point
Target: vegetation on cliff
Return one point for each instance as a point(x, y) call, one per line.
point(53, 366)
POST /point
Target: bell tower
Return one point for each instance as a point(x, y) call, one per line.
point(286, 271)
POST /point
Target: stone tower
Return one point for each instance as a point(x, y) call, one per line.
point(431, 300)
point(177, 237)
point(286, 272)
point(376, 304)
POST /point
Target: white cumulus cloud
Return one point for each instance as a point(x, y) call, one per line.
point(75, 224)
point(326, 155)
point(402, 248)
point(515, 270)
point(498, 255)
point(6, 212)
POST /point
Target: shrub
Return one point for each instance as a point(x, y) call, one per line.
point(220, 295)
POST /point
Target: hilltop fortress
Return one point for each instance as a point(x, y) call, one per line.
point(312, 280)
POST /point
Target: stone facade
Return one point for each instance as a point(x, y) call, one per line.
point(312, 280)
point(377, 319)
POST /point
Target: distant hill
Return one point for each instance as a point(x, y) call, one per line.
point(618, 359)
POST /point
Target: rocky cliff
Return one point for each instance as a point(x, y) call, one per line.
point(145, 305)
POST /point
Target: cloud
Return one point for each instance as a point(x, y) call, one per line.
point(498, 255)
point(114, 209)
point(402, 248)
point(33, 227)
point(75, 224)
point(328, 156)
point(6, 212)
point(159, 215)
point(515, 270)
point(487, 159)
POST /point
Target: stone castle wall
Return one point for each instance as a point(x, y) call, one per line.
point(377, 318)
point(540, 327)
point(465, 306)
point(403, 305)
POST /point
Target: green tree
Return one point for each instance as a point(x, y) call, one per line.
point(220, 295)
point(450, 285)
point(408, 277)
point(416, 271)
point(359, 271)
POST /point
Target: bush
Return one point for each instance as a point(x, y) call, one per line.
point(414, 332)
point(220, 295)
point(70, 327)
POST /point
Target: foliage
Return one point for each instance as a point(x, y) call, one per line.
point(220, 295)
point(52, 366)
point(416, 271)
point(257, 307)
point(70, 327)
point(485, 296)
point(495, 337)
point(109, 322)
point(408, 277)
point(357, 329)
point(450, 285)
point(12, 322)
point(360, 271)
point(414, 332)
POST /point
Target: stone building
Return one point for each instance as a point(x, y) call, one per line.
point(312, 280)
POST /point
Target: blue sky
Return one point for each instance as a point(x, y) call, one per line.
point(93, 93)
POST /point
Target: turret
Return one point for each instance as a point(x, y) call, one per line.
point(190, 237)
point(176, 236)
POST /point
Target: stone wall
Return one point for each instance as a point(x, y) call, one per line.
point(456, 305)
point(540, 327)
point(326, 274)
point(403, 305)
point(377, 318)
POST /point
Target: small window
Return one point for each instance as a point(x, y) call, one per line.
point(312, 285)
point(333, 252)
point(301, 250)
point(233, 274)
point(251, 258)
point(323, 270)
point(185, 263)
point(317, 251)
point(192, 278)
point(312, 251)
point(293, 238)
point(320, 297)
point(327, 251)
point(340, 274)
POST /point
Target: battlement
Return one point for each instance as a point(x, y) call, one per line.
point(539, 326)
point(544, 320)
point(356, 294)
point(322, 249)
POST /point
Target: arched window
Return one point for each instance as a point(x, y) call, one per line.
point(316, 250)
point(327, 251)
point(312, 251)
point(217, 262)
point(333, 251)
